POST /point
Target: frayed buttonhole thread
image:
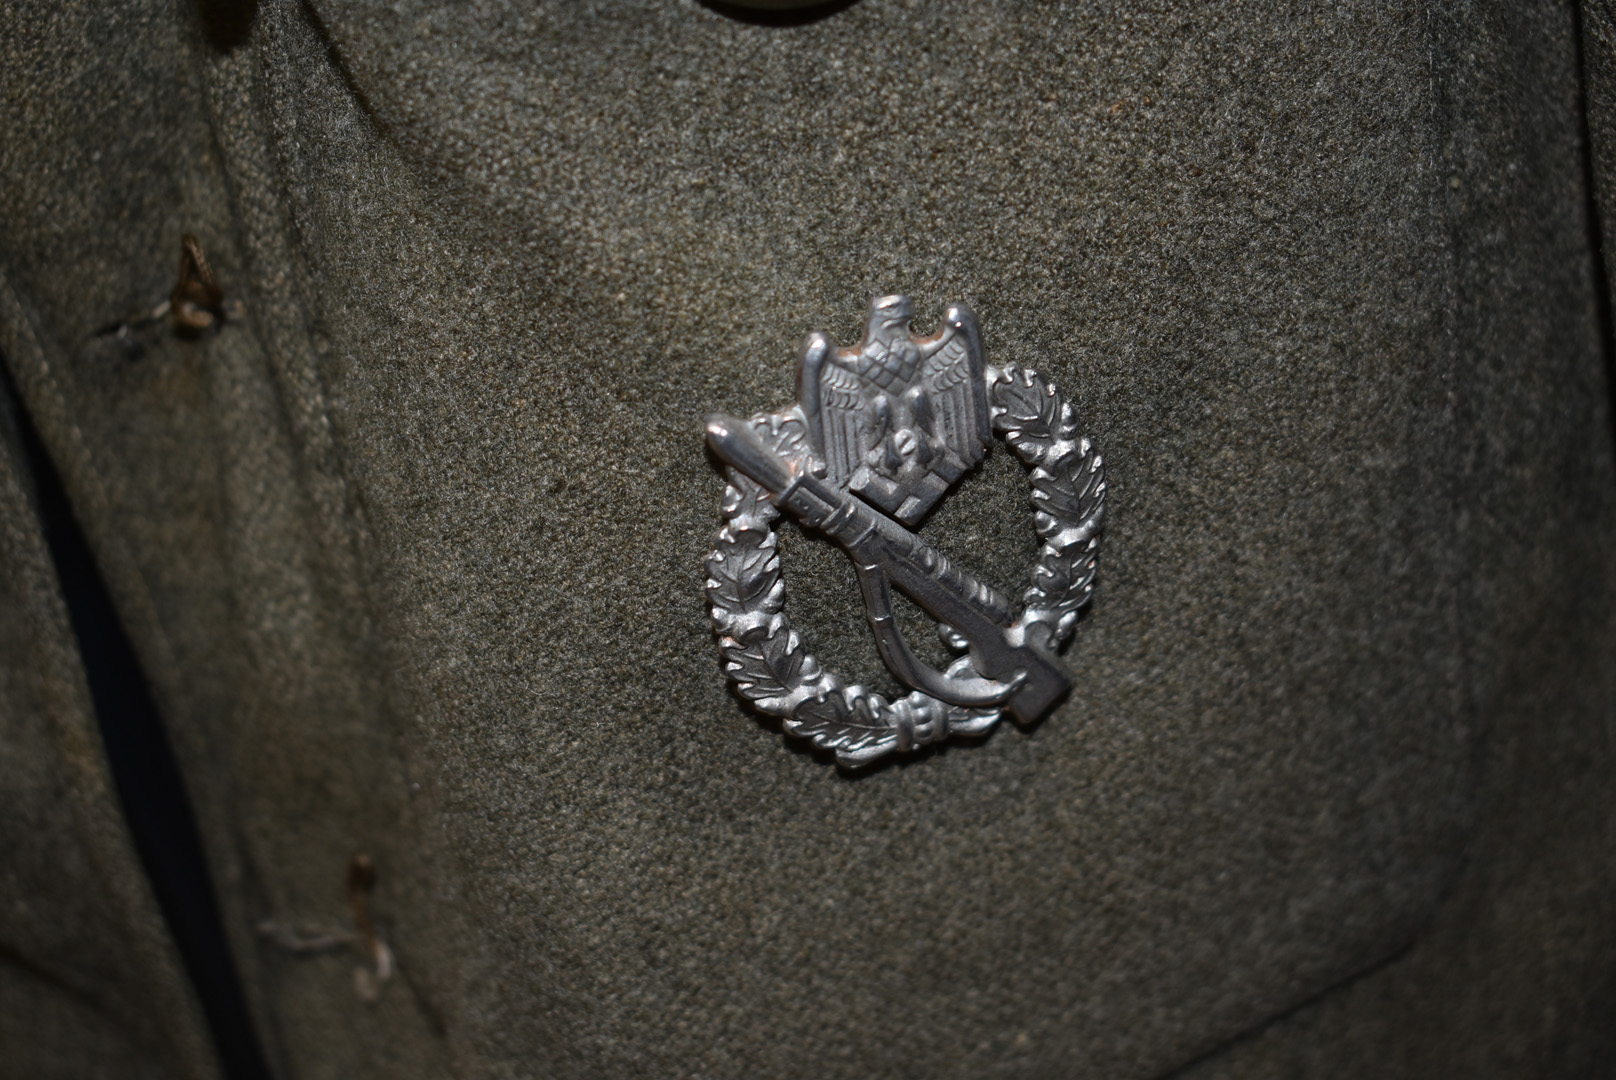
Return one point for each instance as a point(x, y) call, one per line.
point(370, 979)
point(197, 305)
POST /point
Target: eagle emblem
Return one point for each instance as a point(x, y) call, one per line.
point(878, 435)
point(897, 419)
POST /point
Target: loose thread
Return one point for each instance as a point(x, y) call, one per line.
point(368, 981)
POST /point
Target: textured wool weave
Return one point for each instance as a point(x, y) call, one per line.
point(412, 546)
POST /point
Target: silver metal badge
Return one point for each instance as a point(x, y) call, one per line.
point(878, 436)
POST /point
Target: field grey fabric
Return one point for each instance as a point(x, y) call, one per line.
point(90, 985)
point(1598, 52)
point(413, 549)
point(1515, 975)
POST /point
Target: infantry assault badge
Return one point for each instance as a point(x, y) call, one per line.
point(877, 437)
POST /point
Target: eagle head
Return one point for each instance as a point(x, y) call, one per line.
point(889, 317)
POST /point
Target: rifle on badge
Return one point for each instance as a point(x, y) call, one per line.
point(1011, 673)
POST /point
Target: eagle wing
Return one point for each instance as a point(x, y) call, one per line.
point(832, 399)
point(952, 369)
point(841, 413)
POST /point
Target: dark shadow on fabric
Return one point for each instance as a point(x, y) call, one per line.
point(226, 23)
point(144, 771)
point(1256, 1032)
point(1596, 232)
point(800, 16)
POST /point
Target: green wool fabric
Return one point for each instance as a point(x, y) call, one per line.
point(412, 546)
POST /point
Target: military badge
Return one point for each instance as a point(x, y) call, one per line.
point(877, 437)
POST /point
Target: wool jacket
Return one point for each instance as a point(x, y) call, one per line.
point(407, 535)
